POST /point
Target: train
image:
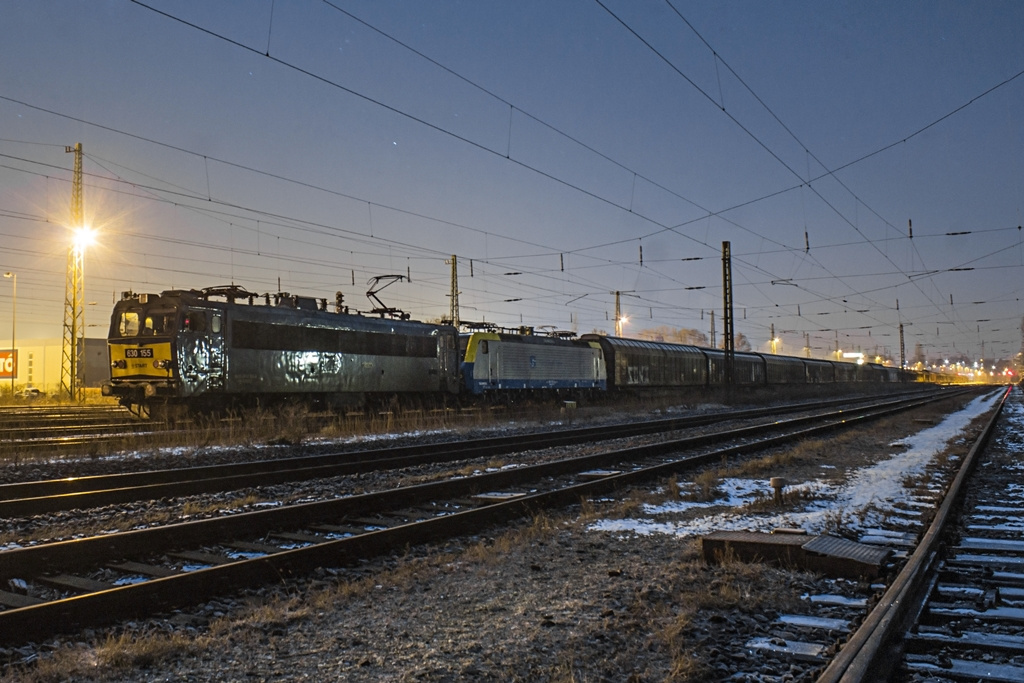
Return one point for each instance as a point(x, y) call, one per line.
point(641, 364)
point(220, 347)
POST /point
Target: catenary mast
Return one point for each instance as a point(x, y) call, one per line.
point(74, 292)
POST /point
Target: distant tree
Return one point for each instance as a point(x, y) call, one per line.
point(739, 342)
point(656, 334)
point(674, 335)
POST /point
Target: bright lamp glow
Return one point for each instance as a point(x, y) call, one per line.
point(83, 237)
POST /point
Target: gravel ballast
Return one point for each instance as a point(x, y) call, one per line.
point(549, 599)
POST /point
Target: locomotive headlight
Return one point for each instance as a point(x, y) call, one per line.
point(161, 364)
point(119, 364)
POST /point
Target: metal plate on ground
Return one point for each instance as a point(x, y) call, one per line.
point(845, 549)
point(829, 555)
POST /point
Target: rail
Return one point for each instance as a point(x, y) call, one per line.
point(873, 650)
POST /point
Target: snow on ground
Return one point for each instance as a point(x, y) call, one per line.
point(869, 495)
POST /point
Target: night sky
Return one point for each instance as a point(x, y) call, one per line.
point(548, 144)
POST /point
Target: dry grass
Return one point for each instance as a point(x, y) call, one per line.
point(251, 624)
point(496, 550)
point(133, 652)
point(699, 594)
point(765, 502)
point(287, 425)
point(589, 511)
point(672, 488)
point(808, 450)
point(116, 655)
point(567, 670)
point(706, 486)
point(841, 522)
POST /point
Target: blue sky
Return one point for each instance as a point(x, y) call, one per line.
point(320, 144)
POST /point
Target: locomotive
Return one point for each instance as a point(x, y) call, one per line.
point(203, 350)
point(222, 346)
point(496, 362)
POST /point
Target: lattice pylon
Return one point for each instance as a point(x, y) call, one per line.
point(74, 294)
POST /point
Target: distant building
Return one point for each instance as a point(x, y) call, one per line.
point(37, 363)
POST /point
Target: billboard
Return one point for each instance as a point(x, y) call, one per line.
point(8, 364)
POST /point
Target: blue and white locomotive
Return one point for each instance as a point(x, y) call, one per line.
point(497, 362)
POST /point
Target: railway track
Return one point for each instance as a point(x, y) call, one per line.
point(37, 497)
point(954, 611)
point(42, 425)
point(40, 430)
point(64, 429)
point(69, 585)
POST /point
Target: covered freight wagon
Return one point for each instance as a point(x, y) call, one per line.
point(636, 363)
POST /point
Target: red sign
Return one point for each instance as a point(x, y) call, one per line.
point(8, 364)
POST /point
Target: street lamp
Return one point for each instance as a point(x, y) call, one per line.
point(14, 320)
point(83, 237)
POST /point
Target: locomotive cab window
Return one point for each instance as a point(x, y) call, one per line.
point(128, 325)
point(483, 347)
point(159, 322)
point(195, 321)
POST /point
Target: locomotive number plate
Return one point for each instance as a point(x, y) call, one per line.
point(138, 353)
